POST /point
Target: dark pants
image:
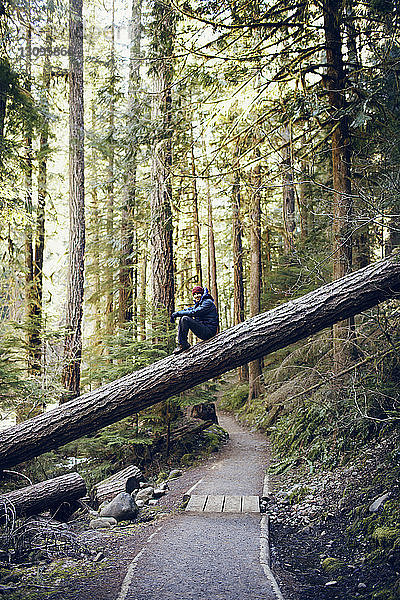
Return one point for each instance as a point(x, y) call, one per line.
point(204, 332)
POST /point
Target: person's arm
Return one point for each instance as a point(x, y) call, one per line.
point(196, 311)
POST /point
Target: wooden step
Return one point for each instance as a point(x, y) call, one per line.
point(219, 503)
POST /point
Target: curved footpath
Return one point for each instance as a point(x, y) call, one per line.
point(218, 556)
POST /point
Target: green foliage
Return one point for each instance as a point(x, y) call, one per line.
point(234, 398)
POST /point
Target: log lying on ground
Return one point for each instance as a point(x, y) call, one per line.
point(126, 480)
point(189, 428)
point(45, 495)
point(232, 348)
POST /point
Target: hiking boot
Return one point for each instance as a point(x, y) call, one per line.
point(181, 348)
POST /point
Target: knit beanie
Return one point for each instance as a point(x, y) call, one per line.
point(197, 290)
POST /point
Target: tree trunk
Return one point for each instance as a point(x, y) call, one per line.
point(289, 198)
point(255, 274)
point(238, 287)
point(123, 481)
point(142, 297)
point(29, 301)
point(45, 495)
point(37, 290)
point(162, 263)
point(196, 224)
point(96, 244)
point(109, 254)
point(212, 263)
point(341, 166)
point(126, 299)
point(260, 335)
point(73, 339)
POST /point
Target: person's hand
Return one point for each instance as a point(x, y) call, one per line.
point(173, 317)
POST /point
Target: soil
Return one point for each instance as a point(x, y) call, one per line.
point(313, 526)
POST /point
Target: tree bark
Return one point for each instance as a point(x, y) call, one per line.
point(237, 251)
point(123, 481)
point(37, 290)
point(212, 262)
point(126, 274)
point(255, 273)
point(289, 199)
point(73, 339)
point(49, 494)
point(260, 335)
point(29, 300)
point(162, 262)
point(196, 224)
point(341, 165)
point(109, 254)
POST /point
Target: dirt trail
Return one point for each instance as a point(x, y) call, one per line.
point(209, 556)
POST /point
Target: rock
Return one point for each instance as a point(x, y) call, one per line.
point(152, 502)
point(140, 503)
point(145, 494)
point(99, 556)
point(375, 506)
point(330, 583)
point(100, 524)
point(361, 586)
point(111, 520)
point(175, 473)
point(158, 492)
point(123, 508)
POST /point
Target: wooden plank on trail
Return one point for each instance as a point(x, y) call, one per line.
point(214, 503)
point(196, 503)
point(250, 504)
point(233, 504)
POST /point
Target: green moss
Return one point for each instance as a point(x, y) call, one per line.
point(331, 564)
point(235, 398)
point(386, 536)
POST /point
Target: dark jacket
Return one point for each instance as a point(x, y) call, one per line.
point(204, 311)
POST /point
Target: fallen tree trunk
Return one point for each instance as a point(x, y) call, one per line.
point(187, 429)
point(42, 496)
point(126, 480)
point(236, 346)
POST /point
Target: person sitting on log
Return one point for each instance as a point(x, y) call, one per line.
point(202, 319)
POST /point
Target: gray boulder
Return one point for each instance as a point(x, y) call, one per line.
point(145, 494)
point(175, 473)
point(100, 523)
point(158, 492)
point(123, 508)
point(376, 505)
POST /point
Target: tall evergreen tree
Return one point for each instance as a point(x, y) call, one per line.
point(162, 264)
point(74, 304)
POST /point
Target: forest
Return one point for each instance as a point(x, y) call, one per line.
point(248, 146)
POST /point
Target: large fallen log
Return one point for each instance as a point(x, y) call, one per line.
point(45, 495)
point(125, 480)
point(264, 333)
